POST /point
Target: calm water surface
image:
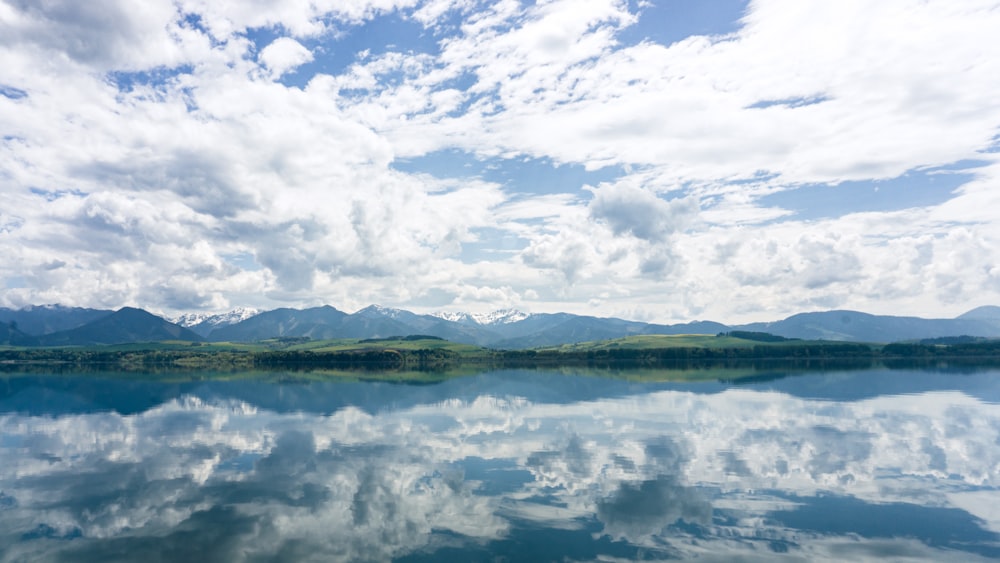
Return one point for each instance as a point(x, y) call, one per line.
point(503, 466)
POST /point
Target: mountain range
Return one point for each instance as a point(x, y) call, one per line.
point(123, 326)
point(54, 325)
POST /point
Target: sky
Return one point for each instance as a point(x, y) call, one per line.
point(651, 160)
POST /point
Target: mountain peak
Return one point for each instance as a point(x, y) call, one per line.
point(986, 313)
point(213, 320)
point(498, 317)
point(378, 310)
point(45, 307)
point(127, 324)
point(134, 312)
point(453, 317)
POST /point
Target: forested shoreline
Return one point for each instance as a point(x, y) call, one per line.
point(384, 356)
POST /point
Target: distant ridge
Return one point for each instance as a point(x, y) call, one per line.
point(124, 326)
point(46, 319)
point(502, 329)
point(327, 322)
point(513, 329)
point(862, 327)
point(317, 322)
point(11, 336)
point(984, 313)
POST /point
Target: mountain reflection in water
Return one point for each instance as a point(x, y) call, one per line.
point(511, 465)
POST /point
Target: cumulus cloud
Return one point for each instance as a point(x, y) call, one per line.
point(283, 55)
point(632, 210)
point(430, 12)
point(729, 106)
point(303, 18)
point(176, 190)
point(137, 135)
point(104, 35)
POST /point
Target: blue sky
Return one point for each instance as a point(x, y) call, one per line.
point(662, 160)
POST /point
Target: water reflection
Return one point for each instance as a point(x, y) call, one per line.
point(523, 466)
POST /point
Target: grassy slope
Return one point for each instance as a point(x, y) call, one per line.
point(639, 342)
point(663, 341)
point(427, 344)
point(336, 345)
point(235, 360)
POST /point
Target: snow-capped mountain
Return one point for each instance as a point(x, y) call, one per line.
point(453, 317)
point(380, 311)
point(203, 323)
point(506, 329)
point(499, 317)
point(189, 319)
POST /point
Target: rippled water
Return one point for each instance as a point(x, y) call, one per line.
point(514, 465)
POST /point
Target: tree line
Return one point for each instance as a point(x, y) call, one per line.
point(389, 358)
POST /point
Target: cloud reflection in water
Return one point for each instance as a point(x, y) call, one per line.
point(663, 474)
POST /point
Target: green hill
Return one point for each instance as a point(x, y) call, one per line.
point(666, 341)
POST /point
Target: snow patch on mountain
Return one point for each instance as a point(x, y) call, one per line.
point(238, 314)
point(380, 311)
point(188, 320)
point(454, 317)
point(498, 317)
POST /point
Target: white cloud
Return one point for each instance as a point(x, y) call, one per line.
point(103, 35)
point(633, 210)
point(284, 54)
point(431, 11)
point(887, 84)
point(169, 136)
point(302, 18)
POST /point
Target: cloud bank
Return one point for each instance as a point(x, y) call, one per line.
point(185, 155)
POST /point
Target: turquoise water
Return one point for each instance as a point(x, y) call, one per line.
point(509, 466)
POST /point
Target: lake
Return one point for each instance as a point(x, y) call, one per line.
point(865, 464)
